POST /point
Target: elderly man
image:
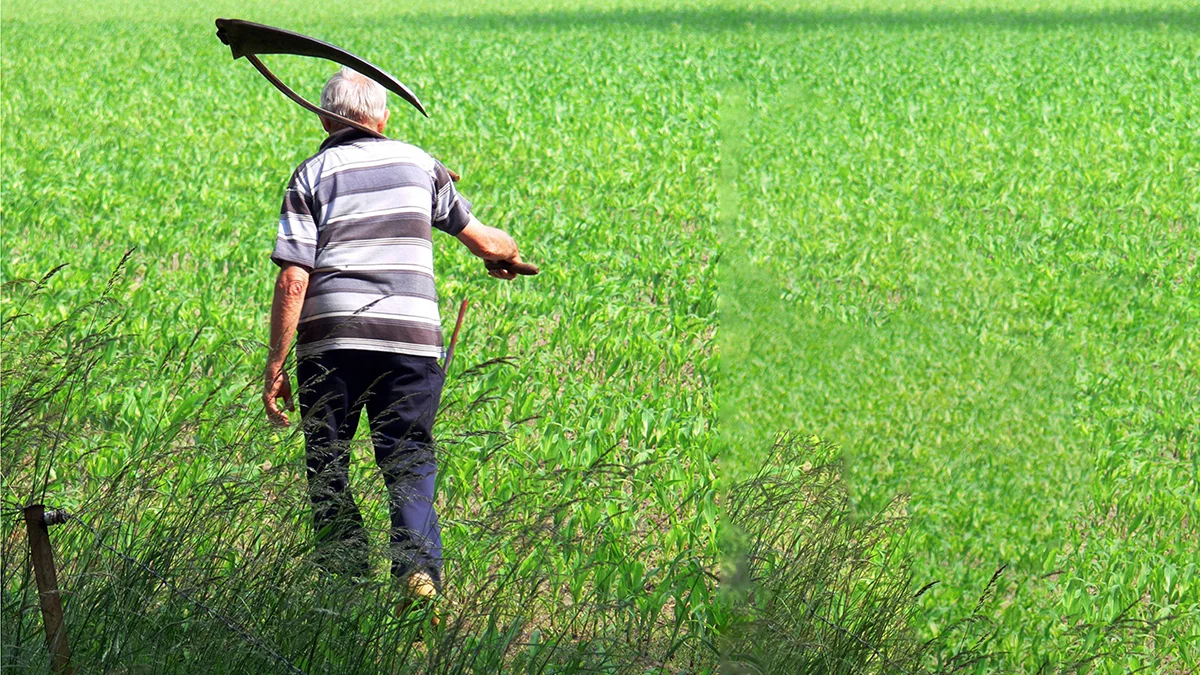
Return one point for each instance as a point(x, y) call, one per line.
point(356, 282)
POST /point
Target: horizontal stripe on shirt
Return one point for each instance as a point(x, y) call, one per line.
point(370, 328)
point(392, 200)
point(390, 346)
point(373, 153)
point(391, 282)
point(386, 226)
point(348, 303)
point(371, 179)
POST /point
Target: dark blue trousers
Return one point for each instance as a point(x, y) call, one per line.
point(401, 394)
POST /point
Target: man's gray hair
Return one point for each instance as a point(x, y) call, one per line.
point(351, 94)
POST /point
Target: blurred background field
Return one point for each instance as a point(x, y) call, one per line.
point(956, 239)
point(966, 253)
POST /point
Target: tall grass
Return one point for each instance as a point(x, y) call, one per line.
point(169, 564)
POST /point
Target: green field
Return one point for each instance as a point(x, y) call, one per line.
point(972, 264)
point(957, 239)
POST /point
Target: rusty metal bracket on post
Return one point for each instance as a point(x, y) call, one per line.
point(37, 522)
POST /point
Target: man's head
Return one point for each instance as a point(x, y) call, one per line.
point(353, 95)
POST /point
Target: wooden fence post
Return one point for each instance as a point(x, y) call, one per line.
point(37, 522)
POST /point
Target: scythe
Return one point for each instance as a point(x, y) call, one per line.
point(248, 39)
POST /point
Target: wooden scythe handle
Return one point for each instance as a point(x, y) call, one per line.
point(523, 268)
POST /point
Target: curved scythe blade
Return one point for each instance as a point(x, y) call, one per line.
point(249, 39)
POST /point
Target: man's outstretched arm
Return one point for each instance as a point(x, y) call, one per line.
point(490, 244)
point(290, 287)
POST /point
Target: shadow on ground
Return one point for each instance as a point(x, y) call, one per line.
point(729, 19)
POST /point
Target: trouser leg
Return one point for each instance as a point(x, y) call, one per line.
point(330, 409)
point(402, 406)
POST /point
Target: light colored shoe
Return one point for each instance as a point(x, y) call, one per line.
point(421, 586)
point(420, 593)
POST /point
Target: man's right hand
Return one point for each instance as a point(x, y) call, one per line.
point(277, 385)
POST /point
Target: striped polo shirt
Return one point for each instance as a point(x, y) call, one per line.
point(358, 215)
